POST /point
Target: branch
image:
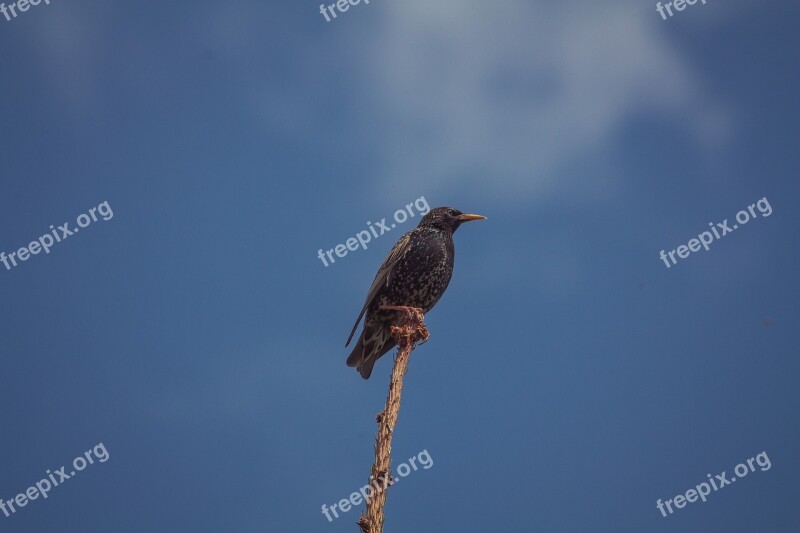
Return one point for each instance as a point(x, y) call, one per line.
point(410, 330)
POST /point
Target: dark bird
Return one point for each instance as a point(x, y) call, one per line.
point(415, 274)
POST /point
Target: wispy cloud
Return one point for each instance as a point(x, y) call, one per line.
point(485, 94)
point(498, 99)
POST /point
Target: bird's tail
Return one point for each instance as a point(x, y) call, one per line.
point(374, 342)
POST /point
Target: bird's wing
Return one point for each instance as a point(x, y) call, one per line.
point(383, 276)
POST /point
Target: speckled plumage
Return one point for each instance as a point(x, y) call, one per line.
point(415, 274)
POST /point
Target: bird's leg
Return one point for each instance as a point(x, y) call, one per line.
point(413, 323)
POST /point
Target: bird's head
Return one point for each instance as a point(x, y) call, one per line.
point(447, 218)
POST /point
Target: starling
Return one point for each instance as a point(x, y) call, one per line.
point(415, 274)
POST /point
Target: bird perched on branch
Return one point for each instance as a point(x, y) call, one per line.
point(415, 274)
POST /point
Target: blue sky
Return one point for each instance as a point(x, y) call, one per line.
point(571, 379)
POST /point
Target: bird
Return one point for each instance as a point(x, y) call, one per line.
point(416, 273)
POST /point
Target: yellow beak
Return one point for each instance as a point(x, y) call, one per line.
point(466, 217)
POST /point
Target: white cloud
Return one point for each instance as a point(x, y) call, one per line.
point(498, 98)
point(517, 100)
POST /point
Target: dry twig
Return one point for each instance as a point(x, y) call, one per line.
point(410, 331)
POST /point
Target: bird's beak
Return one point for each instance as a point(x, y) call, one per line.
point(466, 217)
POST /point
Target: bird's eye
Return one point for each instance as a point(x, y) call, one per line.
point(453, 213)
